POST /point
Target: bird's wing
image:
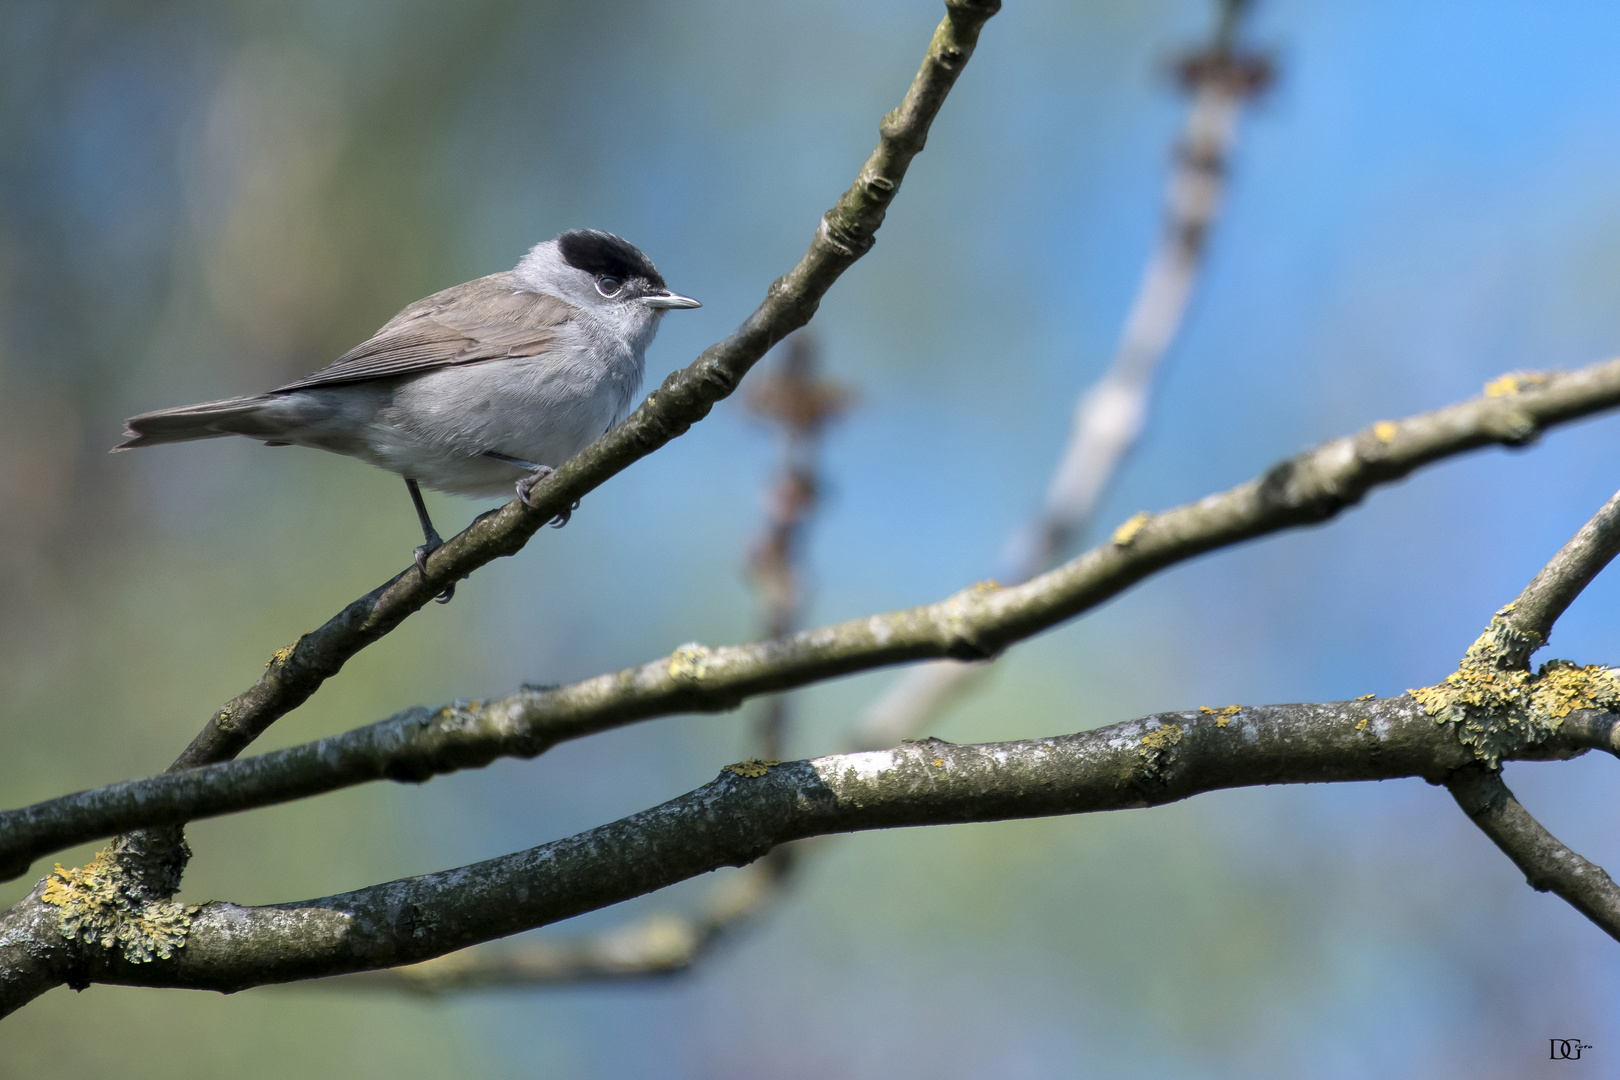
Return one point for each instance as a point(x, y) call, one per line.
point(487, 319)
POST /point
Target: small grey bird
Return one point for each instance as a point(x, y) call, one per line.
point(498, 380)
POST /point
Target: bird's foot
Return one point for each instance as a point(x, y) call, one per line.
point(432, 543)
point(525, 486)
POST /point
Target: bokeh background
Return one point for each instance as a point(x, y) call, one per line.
point(200, 199)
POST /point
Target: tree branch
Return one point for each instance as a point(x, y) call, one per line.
point(978, 622)
point(737, 819)
point(1531, 616)
point(1548, 865)
point(664, 943)
point(845, 234)
point(1500, 710)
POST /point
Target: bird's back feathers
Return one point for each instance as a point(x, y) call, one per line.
point(490, 318)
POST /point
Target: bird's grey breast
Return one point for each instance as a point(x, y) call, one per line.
point(542, 406)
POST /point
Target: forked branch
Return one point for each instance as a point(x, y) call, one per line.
point(1496, 671)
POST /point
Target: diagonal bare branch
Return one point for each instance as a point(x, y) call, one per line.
point(1531, 616)
point(845, 234)
point(978, 622)
point(1548, 865)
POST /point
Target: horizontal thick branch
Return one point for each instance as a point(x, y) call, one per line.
point(736, 819)
point(845, 234)
point(978, 622)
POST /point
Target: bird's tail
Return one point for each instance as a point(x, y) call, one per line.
point(208, 420)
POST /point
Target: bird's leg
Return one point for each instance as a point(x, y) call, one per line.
point(431, 541)
point(525, 486)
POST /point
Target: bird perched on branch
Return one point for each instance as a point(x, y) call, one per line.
point(495, 381)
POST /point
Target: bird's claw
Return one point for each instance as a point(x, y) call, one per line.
point(562, 519)
point(432, 544)
point(525, 488)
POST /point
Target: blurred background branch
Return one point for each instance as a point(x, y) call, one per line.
point(796, 400)
point(1108, 419)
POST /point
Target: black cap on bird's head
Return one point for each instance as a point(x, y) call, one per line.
point(598, 253)
point(612, 259)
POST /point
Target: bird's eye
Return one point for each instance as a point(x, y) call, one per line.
point(608, 286)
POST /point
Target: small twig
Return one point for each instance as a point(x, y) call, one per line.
point(1547, 864)
point(1552, 590)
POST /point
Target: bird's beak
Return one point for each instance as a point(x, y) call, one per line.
point(665, 300)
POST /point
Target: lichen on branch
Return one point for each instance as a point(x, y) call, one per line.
point(1500, 708)
point(102, 904)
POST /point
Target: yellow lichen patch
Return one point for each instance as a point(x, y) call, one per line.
point(1562, 687)
point(462, 713)
point(1361, 725)
point(1129, 528)
point(689, 663)
point(1206, 710)
point(1501, 710)
point(939, 763)
point(99, 909)
point(1366, 697)
point(280, 656)
point(751, 768)
point(988, 585)
point(1226, 714)
point(1160, 740)
point(1512, 383)
point(1384, 431)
